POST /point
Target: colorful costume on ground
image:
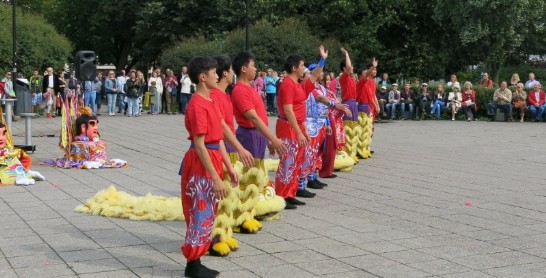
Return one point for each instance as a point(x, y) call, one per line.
point(288, 173)
point(365, 91)
point(83, 151)
point(352, 129)
point(199, 202)
point(333, 142)
point(14, 163)
point(316, 122)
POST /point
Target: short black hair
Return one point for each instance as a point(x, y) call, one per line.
point(224, 63)
point(242, 60)
point(342, 65)
point(292, 61)
point(198, 65)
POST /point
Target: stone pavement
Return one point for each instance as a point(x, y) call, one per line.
point(439, 199)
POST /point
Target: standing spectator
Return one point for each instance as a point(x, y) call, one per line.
point(152, 88)
point(395, 100)
point(170, 90)
point(51, 80)
point(111, 90)
point(486, 81)
point(121, 80)
point(333, 83)
point(502, 99)
point(133, 87)
point(384, 80)
point(90, 94)
point(185, 90)
point(36, 88)
point(158, 87)
point(519, 101)
point(469, 104)
point(514, 80)
point(100, 91)
point(61, 93)
point(536, 102)
point(143, 87)
point(8, 87)
point(383, 99)
point(438, 100)
point(270, 91)
point(453, 81)
point(259, 84)
point(530, 84)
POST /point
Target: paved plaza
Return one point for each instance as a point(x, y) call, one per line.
point(438, 199)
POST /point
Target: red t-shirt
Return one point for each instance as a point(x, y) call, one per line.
point(293, 93)
point(225, 102)
point(365, 90)
point(348, 86)
point(203, 116)
point(244, 98)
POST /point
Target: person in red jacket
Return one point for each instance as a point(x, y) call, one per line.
point(536, 99)
point(367, 107)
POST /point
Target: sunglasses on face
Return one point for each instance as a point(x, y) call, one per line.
point(93, 122)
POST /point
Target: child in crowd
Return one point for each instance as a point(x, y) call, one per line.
point(153, 101)
point(201, 169)
point(48, 99)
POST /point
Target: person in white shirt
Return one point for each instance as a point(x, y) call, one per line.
point(530, 84)
point(185, 90)
point(121, 80)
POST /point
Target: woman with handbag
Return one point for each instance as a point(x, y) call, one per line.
point(518, 101)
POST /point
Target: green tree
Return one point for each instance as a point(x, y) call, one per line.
point(38, 43)
point(485, 31)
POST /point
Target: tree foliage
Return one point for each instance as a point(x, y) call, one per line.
point(38, 43)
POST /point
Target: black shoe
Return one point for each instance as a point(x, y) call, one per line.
point(195, 269)
point(314, 185)
point(290, 206)
point(330, 177)
point(321, 183)
point(305, 194)
point(294, 201)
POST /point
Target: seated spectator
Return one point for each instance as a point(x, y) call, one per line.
point(406, 98)
point(383, 99)
point(486, 82)
point(453, 81)
point(530, 84)
point(438, 100)
point(454, 100)
point(536, 102)
point(502, 99)
point(394, 100)
point(514, 80)
point(468, 103)
point(424, 100)
point(519, 101)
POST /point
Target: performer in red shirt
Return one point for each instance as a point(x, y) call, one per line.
point(367, 107)
point(348, 96)
point(201, 169)
point(291, 125)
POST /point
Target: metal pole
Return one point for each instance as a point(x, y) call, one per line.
point(14, 35)
point(247, 19)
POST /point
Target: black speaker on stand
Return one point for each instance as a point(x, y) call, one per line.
point(86, 65)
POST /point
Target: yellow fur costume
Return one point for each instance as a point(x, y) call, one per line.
point(364, 137)
point(353, 131)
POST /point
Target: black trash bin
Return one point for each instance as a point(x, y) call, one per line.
point(23, 104)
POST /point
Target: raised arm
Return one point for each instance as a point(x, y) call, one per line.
point(348, 64)
point(315, 75)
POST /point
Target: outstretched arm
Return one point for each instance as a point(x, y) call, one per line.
point(348, 64)
point(315, 75)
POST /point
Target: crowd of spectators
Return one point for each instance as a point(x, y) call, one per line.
point(169, 93)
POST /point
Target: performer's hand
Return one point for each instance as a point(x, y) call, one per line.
point(348, 112)
point(278, 146)
point(234, 178)
point(302, 140)
point(323, 52)
point(344, 52)
point(246, 158)
point(219, 188)
point(341, 106)
point(377, 108)
point(375, 62)
point(271, 149)
point(328, 130)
